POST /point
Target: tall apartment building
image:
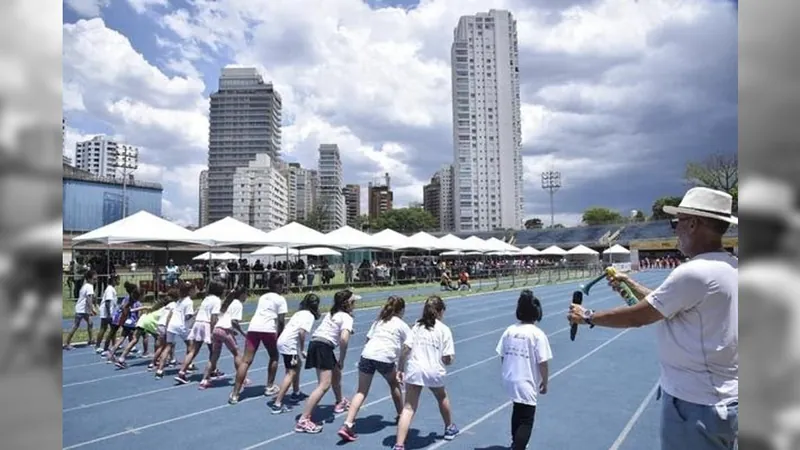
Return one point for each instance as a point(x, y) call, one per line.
point(244, 120)
point(487, 133)
point(260, 194)
point(306, 192)
point(103, 157)
point(331, 182)
point(438, 197)
point(380, 197)
point(202, 203)
point(352, 204)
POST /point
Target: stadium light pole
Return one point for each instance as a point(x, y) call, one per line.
point(551, 182)
point(127, 162)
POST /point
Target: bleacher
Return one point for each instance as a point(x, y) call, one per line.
point(590, 236)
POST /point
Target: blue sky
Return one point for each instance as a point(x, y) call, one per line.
point(618, 95)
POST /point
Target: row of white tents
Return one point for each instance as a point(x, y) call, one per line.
point(143, 227)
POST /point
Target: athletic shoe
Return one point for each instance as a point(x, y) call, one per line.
point(347, 433)
point(399, 447)
point(121, 364)
point(205, 384)
point(450, 432)
point(279, 409)
point(181, 378)
point(342, 406)
point(307, 426)
point(150, 367)
point(159, 374)
point(297, 396)
point(271, 390)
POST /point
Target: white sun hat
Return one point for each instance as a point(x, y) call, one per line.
point(705, 202)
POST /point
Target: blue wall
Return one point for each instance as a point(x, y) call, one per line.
point(89, 205)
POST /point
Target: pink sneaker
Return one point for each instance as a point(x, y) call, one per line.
point(342, 406)
point(307, 426)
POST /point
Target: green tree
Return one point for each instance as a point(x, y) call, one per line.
point(315, 219)
point(719, 171)
point(658, 205)
point(405, 220)
point(533, 224)
point(599, 216)
point(639, 216)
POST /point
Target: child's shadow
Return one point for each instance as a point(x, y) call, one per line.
point(414, 440)
point(370, 425)
point(251, 391)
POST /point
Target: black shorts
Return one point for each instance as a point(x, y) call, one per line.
point(105, 321)
point(128, 332)
point(320, 356)
point(370, 366)
point(290, 362)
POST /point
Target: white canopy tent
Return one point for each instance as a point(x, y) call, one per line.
point(348, 238)
point(453, 243)
point(230, 232)
point(282, 251)
point(423, 241)
point(227, 256)
point(553, 250)
point(140, 227)
point(528, 251)
point(294, 235)
point(477, 244)
point(391, 240)
point(582, 250)
point(503, 247)
point(616, 250)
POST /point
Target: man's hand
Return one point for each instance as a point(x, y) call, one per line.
point(575, 315)
point(615, 281)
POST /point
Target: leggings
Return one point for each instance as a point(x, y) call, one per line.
point(521, 425)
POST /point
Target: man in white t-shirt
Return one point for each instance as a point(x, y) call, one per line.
point(696, 310)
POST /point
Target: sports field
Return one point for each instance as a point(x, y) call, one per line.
point(601, 394)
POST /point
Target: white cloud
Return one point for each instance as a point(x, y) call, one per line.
point(87, 8)
point(377, 83)
point(141, 6)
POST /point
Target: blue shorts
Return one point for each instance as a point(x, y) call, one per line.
point(687, 425)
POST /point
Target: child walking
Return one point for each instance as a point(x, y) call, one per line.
point(422, 364)
point(206, 320)
point(525, 352)
point(225, 332)
point(385, 341)
point(290, 345)
point(334, 331)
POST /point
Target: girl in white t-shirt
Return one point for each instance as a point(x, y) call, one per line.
point(84, 309)
point(422, 364)
point(525, 351)
point(178, 322)
point(204, 322)
point(265, 326)
point(290, 345)
point(334, 331)
point(385, 341)
point(230, 314)
point(107, 304)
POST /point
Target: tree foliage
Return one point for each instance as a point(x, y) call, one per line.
point(658, 205)
point(639, 216)
point(719, 171)
point(315, 219)
point(600, 216)
point(533, 224)
point(405, 220)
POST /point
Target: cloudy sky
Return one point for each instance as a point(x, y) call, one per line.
point(616, 94)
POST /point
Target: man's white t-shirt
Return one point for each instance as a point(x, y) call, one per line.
point(289, 340)
point(428, 347)
point(265, 319)
point(108, 301)
point(234, 312)
point(698, 342)
point(83, 305)
point(386, 340)
point(208, 307)
point(332, 326)
point(523, 347)
point(182, 312)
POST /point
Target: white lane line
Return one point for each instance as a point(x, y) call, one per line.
point(634, 418)
point(507, 404)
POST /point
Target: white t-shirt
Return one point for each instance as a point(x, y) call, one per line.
point(109, 299)
point(428, 347)
point(332, 326)
point(265, 319)
point(523, 347)
point(83, 305)
point(208, 307)
point(698, 342)
point(234, 312)
point(289, 340)
point(162, 319)
point(386, 340)
point(182, 312)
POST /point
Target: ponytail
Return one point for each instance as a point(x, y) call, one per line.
point(310, 303)
point(434, 306)
point(232, 295)
point(341, 302)
point(393, 307)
